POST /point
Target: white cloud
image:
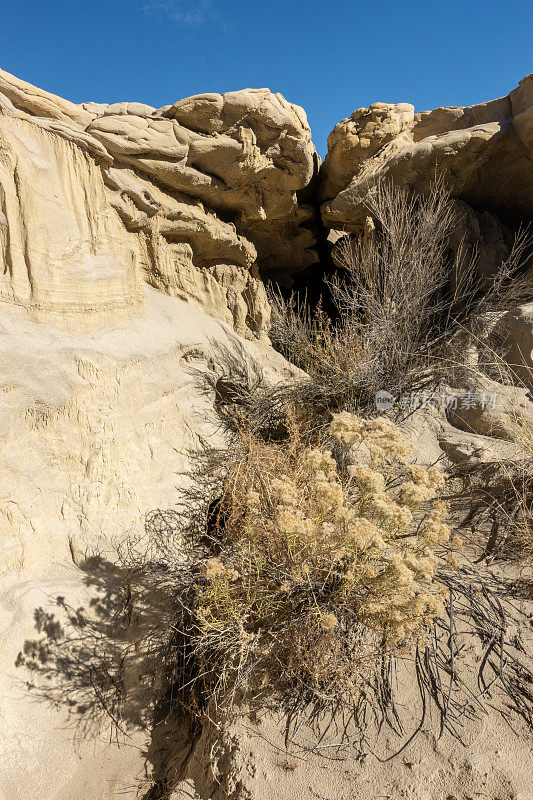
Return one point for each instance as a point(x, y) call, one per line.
point(189, 13)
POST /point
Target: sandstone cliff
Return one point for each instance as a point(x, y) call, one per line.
point(133, 246)
point(96, 200)
point(129, 269)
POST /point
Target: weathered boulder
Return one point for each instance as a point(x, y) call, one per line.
point(483, 152)
point(359, 138)
point(493, 409)
point(516, 330)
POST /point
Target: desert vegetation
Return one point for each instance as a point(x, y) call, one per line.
point(323, 565)
point(311, 553)
point(409, 311)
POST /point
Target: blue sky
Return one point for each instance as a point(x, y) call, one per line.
point(329, 58)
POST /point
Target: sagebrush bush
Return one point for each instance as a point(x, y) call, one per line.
point(322, 566)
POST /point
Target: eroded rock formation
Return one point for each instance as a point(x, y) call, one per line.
point(129, 274)
point(483, 152)
point(96, 199)
point(132, 245)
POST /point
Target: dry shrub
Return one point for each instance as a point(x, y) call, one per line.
point(409, 311)
point(512, 512)
point(319, 575)
point(321, 567)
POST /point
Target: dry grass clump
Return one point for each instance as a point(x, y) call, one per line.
point(321, 567)
point(409, 312)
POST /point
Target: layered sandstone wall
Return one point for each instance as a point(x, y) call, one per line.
point(132, 245)
point(129, 275)
point(97, 199)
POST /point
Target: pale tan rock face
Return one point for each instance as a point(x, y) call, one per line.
point(484, 153)
point(96, 199)
point(63, 252)
point(509, 411)
point(128, 270)
point(97, 429)
point(516, 330)
point(131, 245)
point(358, 138)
